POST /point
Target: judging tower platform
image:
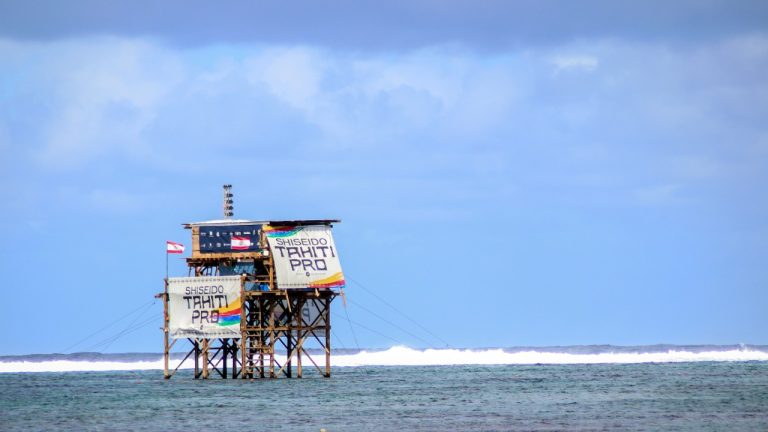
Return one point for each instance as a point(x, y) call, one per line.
point(256, 301)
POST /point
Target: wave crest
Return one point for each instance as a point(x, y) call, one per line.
point(404, 356)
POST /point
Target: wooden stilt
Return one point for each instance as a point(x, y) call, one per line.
point(289, 349)
point(244, 363)
point(205, 358)
point(299, 335)
point(272, 304)
point(262, 335)
point(166, 347)
point(225, 356)
point(197, 358)
point(327, 313)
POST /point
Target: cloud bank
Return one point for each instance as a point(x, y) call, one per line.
point(395, 25)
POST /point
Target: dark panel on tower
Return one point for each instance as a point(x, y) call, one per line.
point(229, 238)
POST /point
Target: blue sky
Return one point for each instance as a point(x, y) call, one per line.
point(507, 173)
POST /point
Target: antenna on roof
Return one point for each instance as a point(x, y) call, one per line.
point(228, 207)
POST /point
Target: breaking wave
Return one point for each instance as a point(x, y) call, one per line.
point(404, 356)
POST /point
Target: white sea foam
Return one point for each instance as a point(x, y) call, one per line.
point(404, 356)
point(80, 366)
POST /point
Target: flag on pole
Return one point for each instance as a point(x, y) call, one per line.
point(241, 243)
point(173, 247)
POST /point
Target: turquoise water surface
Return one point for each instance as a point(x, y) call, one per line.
point(670, 396)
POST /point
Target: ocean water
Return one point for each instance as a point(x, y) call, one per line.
point(651, 388)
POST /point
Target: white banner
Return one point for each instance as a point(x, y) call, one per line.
point(204, 307)
point(304, 256)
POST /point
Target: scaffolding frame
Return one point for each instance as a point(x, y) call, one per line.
point(276, 326)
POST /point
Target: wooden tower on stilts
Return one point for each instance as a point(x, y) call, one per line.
point(256, 302)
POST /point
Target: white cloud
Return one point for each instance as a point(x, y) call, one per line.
point(292, 75)
point(108, 92)
point(641, 108)
point(439, 76)
point(586, 63)
point(364, 99)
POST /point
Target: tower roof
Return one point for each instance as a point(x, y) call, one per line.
point(224, 222)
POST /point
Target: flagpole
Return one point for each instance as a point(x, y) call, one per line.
point(172, 247)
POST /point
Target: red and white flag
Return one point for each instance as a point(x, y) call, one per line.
point(173, 247)
point(241, 243)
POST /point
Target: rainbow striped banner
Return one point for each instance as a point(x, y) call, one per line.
point(204, 307)
point(305, 257)
point(230, 315)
